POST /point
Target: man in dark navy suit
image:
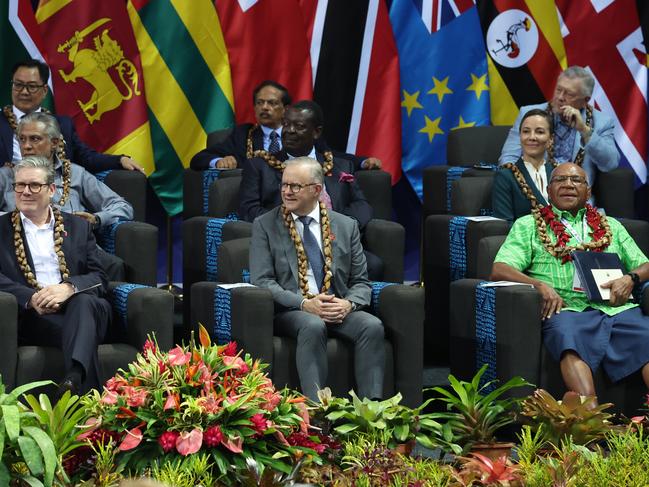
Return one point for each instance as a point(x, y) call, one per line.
point(28, 90)
point(46, 256)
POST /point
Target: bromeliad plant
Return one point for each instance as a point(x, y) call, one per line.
point(474, 413)
point(206, 399)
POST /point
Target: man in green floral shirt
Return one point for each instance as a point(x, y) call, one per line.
point(579, 333)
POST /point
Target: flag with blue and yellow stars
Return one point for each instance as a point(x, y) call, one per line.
point(444, 83)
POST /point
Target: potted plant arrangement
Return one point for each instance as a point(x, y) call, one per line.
point(475, 415)
point(577, 417)
point(203, 399)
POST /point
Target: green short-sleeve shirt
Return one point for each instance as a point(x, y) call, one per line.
point(524, 251)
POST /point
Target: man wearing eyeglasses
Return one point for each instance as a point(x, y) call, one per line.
point(270, 100)
point(28, 90)
point(46, 257)
point(311, 260)
point(580, 334)
point(580, 132)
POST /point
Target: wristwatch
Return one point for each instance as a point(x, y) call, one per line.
point(635, 277)
point(355, 307)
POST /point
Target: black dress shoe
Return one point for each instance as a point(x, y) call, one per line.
point(67, 385)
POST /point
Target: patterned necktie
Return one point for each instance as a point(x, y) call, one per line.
point(313, 253)
point(274, 143)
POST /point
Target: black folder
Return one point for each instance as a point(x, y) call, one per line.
point(586, 261)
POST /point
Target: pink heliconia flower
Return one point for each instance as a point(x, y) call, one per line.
point(189, 442)
point(137, 398)
point(131, 440)
point(178, 357)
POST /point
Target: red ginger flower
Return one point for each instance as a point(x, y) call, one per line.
point(259, 422)
point(167, 440)
point(230, 350)
point(213, 436)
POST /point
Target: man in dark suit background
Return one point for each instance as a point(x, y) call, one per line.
point(270, 100)
point(57, 256)
point(312, 261)
point(259, 191)
point(28, 90)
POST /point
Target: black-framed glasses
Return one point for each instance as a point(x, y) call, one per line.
point(19, 86)
point(33, 187)
point(572, 179)
point(294, 187)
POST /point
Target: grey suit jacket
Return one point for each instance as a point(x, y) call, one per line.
point(273, 260)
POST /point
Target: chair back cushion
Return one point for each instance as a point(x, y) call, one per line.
point(471, 195)
point(377, 188)
point(233, 260)
point(217, 136)
point(639, 231)
point(472, 145)
point(487, 250)
point(132, 186)
point(224, 197)
point(614, 191)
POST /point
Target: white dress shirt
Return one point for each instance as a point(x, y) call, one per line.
point(40, 241)
point(18, 114)
point(317, 232)
point(539, 176)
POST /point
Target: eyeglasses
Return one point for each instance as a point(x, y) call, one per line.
point(33, 187)
point(572, 179)
point(31, 87)
point(294, 187)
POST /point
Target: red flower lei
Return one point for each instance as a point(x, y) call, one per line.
point(601, 233)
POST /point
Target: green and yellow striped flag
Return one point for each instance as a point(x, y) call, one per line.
point(187, 84)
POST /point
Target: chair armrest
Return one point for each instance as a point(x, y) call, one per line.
point(136, 243)
point(518, 332)
point(149, 310)
point(401, 309)
point(386, 240)
point(252, 313)
point(9, 339)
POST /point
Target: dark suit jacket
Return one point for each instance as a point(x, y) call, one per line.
point(259, 191)
point(507, 198)
point(273, 260)
point(79, 248)
point(75, 150)
point(236, 145)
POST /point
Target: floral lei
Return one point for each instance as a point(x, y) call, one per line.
point(302, 261)
point(21, 255)
point(276, 163)
point(579, 158)
point(601, 233)
point(60, 153)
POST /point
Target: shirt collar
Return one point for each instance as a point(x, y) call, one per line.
point(28, 223)
point(311, 155)
point(568, 216)
point(19, 114)
point(268, 130)
point(315, 214)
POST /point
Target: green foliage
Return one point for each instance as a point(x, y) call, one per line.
point(579, 418)
point(28, 453)
point(474, 415)
point(184, 472)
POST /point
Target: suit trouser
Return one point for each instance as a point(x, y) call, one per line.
point(364, 330)
point(77, 330)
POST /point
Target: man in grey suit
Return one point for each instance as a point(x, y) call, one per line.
point(312, 261)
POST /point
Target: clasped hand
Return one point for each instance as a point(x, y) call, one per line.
point(48, 300)
point(328, 307)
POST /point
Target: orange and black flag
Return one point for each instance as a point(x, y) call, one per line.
point(525, 53)
point(96, 74)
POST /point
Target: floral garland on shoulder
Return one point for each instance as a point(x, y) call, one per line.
point(60, 152)
point(579, 158)
point(520, 180)
point(302, 261)
point(600, 234)
point(275, 163)
point(21, 255)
